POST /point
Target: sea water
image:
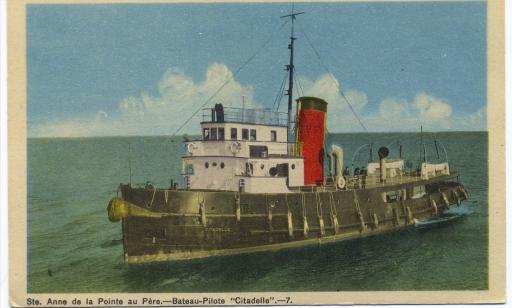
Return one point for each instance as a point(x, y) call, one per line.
point(73, 247)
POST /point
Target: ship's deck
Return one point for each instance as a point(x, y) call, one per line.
point(352, 183)
point(373, 181)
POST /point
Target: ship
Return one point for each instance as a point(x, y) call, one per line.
point(263, 180)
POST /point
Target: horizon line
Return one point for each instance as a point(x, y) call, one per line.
point(182, 135)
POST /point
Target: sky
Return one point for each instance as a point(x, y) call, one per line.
point(130, 69)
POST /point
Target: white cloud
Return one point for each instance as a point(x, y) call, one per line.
point(394, 108)
point(431, 112)
point(339, 116)
point(390, 114)
point(399, 114)
point(179, 96)
point(472, 121)
point(432, 108)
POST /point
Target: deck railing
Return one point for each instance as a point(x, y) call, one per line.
point(244, 115)
point(373, 180)
point(368, 181)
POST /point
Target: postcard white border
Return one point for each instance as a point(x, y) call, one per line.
point(496, 126)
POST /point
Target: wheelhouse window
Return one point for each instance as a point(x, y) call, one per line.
point(253, 135)
point(221, 133)
point(234, 133)
point(206, 134)
point(245, 134)
point(273, 135)
point(213, 132)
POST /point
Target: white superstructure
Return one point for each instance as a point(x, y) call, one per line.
point(243, 150)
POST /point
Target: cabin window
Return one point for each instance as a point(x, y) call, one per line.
point(282, 169)
point(234, 133)
point(273, 135)
point(245, 134)
point(249, 169)
point(222, 165)
point(279, 170)
point(214, 164)
point(213, 132)
point(189, 168)
point(221, 133)
point(206, 165)
point(293, 166)
point(418, 192)
point(259, 151)
point(253, 134)
point(206, 134)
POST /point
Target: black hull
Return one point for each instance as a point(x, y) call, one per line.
point(197, 224)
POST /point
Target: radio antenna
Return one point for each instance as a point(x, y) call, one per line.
point(130, 161)
point(289, 68)
point(423, 145)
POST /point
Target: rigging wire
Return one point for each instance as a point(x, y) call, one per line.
point(297, 92)
point(333, 79)
point(300, 86)
point(300, 93)
point(327, 132)
point(280, 93)
point(331, 76)
point(231, 78)
point(299, 83)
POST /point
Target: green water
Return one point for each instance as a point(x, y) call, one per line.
point(74, 248)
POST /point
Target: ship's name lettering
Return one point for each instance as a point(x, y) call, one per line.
point(158, 233)
point(218, 229)
point(240, 300)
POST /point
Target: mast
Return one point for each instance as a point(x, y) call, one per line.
point(290, 68)
point(423, 145)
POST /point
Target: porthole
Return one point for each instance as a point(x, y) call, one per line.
point(293, 166)
point(214, 164)
point(222, 165)
point(273, 171)
point(206, 165)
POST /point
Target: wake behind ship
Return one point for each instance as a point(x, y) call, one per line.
point(259, 180)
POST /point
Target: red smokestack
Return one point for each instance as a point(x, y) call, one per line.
point(309, 129)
